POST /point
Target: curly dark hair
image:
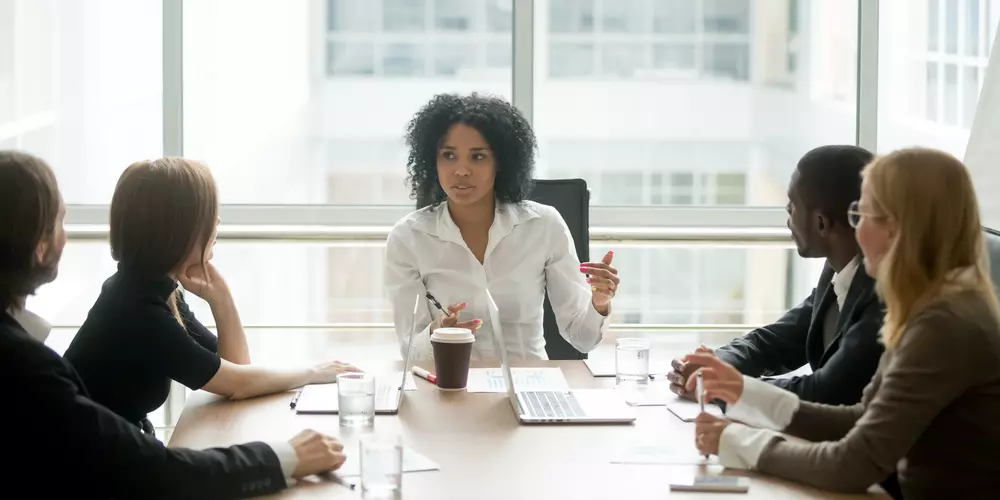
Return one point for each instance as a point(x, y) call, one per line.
point(501, 124)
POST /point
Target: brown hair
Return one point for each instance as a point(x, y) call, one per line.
point(929, 196)
point(161, 210)
point(29, 206)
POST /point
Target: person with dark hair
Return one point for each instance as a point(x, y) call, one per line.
point(65, 445)
point(835, 329)
point(140, 334)
point(471, 161)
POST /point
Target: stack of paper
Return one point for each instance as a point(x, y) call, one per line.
point(663, 454)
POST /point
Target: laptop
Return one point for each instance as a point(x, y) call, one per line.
point(324, 399)
point(600, 406)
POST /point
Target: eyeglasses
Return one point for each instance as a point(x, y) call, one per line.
point(854, 214)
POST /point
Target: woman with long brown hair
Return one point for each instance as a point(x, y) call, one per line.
point(140, 334)
point(932, 408)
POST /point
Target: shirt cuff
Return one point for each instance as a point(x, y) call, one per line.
point(764, 405)
point(740, 446)
point(286, 457)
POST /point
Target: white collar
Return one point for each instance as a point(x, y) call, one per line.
point(32, 323)
point(842, 281)
point(436, 220)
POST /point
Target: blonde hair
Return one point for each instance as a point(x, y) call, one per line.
point(161, 211)
point(928, 195)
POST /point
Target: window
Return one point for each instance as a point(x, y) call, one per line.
point(400, 16)
point(81, 86)
point(350, 58)
point(658, 39)
point(931, 69)
point(314, 113)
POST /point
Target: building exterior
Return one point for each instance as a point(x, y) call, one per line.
point(653, 102)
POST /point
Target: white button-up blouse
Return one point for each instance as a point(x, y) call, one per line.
point(530, 249)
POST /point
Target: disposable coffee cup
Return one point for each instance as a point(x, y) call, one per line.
point(452, 351)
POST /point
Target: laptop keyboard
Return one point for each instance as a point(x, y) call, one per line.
point(551, 404)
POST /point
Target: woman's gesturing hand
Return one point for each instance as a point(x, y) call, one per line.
point(451, 319)
point(603, 282)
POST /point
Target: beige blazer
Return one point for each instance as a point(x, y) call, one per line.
point(932, 410)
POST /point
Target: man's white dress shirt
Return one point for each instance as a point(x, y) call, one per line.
point(530, 250)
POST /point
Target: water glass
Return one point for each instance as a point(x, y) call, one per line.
point(632, 361)
point(381, 465)
point(356, 393)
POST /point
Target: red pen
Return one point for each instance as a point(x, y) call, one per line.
point(424, 374)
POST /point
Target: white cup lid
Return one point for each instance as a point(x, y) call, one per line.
point(453, 335)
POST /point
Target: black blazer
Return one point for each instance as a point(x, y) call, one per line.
point(841, 371)
point(60, 444)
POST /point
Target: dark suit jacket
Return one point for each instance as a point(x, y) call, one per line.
point(60, 444)
point(841, 371)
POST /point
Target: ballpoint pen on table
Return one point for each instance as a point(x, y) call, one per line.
point(295, 399)
point(339, 480)
point(701, 395)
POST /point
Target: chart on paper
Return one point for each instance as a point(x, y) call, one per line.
point(525, 379)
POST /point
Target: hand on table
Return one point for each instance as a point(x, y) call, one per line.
point(707, 431)
point(720, 380)
point(326, 373)
point(682, 371)
point(451, 320)
point(317, 453)
point(603, 282)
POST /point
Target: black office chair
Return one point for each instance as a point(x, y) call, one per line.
point(572, 199)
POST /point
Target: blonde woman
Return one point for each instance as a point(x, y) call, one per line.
point(140, 334)
point(933, 406)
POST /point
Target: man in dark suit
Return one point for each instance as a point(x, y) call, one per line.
point(835, 330)
point(58, 442)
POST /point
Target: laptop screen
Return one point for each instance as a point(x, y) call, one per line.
point(501, 347)
point(409, 348)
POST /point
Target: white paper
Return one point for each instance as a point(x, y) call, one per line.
point(688, 410)
point(663, 454)
point(651, 395)
point(525, 379)
point(318, 398)
point(412, 462)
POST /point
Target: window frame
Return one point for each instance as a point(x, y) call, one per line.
point(270, 221)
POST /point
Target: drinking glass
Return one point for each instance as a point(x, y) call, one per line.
point(632, 361)
point(381, 465)
point(356, 393)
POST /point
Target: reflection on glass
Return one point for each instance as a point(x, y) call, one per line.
point(346, 58)
point(950, 103)
point(400, 15)
point(80, 86)
point(296, 118)
point(931, 70)
point(572, 16)
point(970, 94)
point(972, 40)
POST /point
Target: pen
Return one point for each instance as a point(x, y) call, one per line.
point(424, 374)
point(339, 480)
point(701, 395)
point(437, 304)
point(295, 399)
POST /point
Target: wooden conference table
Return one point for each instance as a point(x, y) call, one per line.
point(482, 450)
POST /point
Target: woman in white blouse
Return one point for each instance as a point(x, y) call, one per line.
point(472, 157)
